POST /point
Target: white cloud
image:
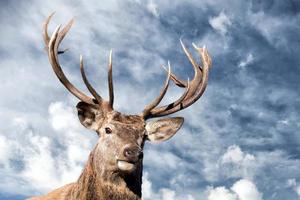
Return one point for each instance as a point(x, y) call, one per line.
point(62, 118)
point(168, 194)
point(77, 143)
point(162, 194)
point(147, 187)
point(243, 189)
point(5, 151)
point(236, 163)
point(284, 122)
point(272, 27)
point(42, 169)
point(190, 197)
point(247, 61)
point(38, 166)
point(167, 159)
point(220, 23)
point(292, 183)
point(246, 190)
point(236, 156)
point(298, 191)
point(152, 8)
point(221, 193)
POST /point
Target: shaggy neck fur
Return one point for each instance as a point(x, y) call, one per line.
point(98, 183)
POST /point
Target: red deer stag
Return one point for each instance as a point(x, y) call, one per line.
point(114, 168)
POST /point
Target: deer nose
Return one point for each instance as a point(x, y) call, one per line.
point(132, 153)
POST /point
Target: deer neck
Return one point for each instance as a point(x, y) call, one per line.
point(100, 182)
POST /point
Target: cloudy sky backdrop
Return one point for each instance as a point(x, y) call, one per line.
point(240, 141)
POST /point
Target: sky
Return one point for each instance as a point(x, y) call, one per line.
point(240, 141)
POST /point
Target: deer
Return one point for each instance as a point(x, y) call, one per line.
point(115, 165)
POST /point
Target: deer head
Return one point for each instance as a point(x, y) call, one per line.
point(122, 137)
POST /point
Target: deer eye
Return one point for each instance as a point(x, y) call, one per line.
point(108, 130)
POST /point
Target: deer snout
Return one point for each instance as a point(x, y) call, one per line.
point(132, 153)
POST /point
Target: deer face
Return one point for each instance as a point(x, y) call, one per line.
point(122, 137)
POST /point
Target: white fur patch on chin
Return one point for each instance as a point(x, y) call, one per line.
point(125, 166)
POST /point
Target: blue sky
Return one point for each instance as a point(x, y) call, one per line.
point(240, 141)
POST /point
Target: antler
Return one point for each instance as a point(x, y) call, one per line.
point(194, 88)
point(52, 44)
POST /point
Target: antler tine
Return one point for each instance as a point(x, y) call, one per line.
point(197, 71)
point(88, 85)
point(190, 57)
point(194, 90)
point(179, 101)
point(45, 32)
point(66, 29)
point(177, 81)
point(110, 81)
point(158, 99)
point(53, 45)
point(45, 29)
point(196, 68)
point(182, 96)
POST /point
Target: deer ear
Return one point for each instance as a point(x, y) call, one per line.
point(163, 129)
point(88, 115)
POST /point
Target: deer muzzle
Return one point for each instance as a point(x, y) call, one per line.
point(132, 154)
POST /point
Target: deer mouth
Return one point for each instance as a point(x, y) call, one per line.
point(126, 166)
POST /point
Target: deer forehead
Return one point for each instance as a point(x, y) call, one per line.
point(125, 125)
